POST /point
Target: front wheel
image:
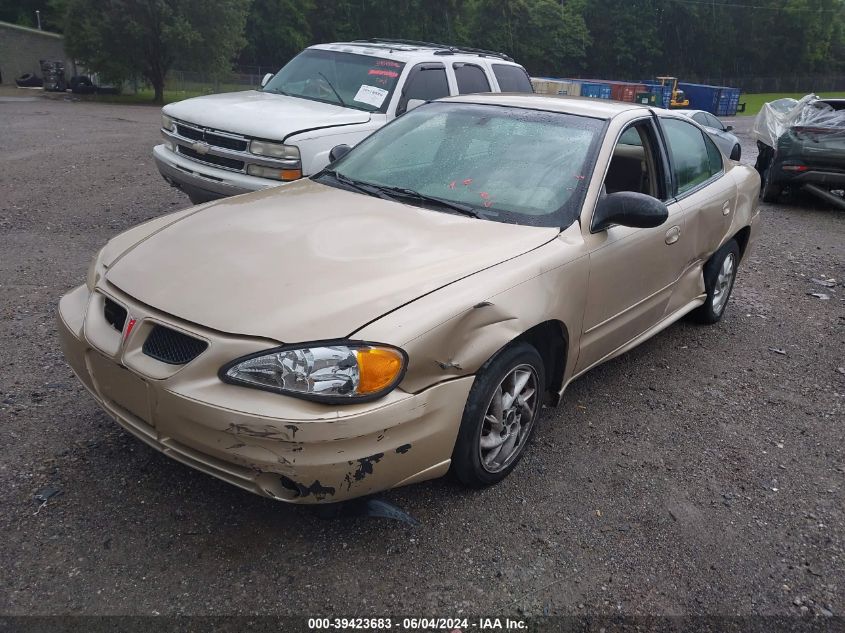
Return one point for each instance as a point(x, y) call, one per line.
point(719, 276)
point(501, 410)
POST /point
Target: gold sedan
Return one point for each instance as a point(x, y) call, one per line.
point(410, 309)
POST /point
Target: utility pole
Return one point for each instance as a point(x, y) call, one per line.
point(38, 18)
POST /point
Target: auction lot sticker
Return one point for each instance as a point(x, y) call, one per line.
point(370, 95)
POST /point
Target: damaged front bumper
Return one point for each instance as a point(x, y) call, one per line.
point(276, 446)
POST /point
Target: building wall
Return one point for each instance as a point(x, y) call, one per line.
point(21, 49)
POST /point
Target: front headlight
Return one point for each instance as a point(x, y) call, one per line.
point(328, 372)
point(167, 123)
point(274, 150)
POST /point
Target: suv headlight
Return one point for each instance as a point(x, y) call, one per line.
point(326, 371)
point(274, 150)
point(167, 123)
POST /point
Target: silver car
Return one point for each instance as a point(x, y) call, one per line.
point(718, 131)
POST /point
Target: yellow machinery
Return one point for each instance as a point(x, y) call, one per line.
point(679, 99)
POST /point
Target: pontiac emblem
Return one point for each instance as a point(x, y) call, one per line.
point(201, 148)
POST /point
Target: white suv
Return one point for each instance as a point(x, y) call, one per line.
point(328, 95)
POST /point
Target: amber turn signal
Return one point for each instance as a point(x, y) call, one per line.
point(378, 367)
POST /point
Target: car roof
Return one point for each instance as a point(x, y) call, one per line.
point(584, 106)
point(412, 51)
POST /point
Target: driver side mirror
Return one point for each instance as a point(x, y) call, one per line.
point(628, 208)
point(266, 79)
point(729, 128)
point(338, 152)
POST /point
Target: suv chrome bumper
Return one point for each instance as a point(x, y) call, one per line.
point(204, 182)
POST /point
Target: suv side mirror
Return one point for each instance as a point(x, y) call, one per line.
point(338, 152)
point(729, 128)
point(266, 79)
point(628, 208)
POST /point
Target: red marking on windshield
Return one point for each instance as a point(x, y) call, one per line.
point(452, 184)
point(386, 62)
point(385, 73)
point(488, 203)
point(484, 195)
point(467, 182)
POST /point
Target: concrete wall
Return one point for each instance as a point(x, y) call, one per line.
point(21, 49)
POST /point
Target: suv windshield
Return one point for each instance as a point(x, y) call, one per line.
point(355, 81)
point(503, 163)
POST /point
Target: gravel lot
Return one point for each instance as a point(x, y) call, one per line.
point(702, 473)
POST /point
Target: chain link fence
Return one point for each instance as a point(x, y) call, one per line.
point(189, 83)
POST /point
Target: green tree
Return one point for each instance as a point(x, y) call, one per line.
point(546, 36)
point(276, 30)
point(126, 38)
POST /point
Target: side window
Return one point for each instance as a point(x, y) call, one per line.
point(633, 166)
point(689, 153)
point(426, 82)
point(512, 78)
point(715, 156)
point(471, 79)
point(714, 122)
point(699, 118)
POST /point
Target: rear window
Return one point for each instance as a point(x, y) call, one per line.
point(471, 79)
point(512, 78)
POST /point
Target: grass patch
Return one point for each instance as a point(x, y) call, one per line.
point(754, 102)
point(144, 96)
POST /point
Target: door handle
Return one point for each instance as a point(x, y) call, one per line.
point(673, 234)
point(726, 208)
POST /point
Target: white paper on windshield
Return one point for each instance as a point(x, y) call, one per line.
point(371, 95)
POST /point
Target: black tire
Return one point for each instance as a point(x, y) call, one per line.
point(466, 456)
point(28, 80)
point(769, 191)
point(708, 313)
point(736, 152)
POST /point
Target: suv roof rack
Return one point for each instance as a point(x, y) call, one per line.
point(443, 49)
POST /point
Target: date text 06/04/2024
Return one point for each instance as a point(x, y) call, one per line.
point(418, 624)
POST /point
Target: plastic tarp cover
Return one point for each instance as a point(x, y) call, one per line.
point(776, 117)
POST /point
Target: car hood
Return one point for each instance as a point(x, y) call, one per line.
point(262, 114)
point(307, 261)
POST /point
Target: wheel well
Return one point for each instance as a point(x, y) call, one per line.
point(551, 340)
point(742, 239)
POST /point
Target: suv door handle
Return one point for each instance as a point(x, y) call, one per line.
point(673, 234)
point(726, 208)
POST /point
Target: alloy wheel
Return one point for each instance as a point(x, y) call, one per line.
point(509, 418)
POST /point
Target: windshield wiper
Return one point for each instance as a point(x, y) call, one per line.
point(463, 209)
point(392, 193)
point(336, 94)
point(370, 190)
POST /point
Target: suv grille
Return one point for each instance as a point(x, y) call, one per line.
point(211, 159)
point(172, 347)
point(115, 314)
point(211, 138)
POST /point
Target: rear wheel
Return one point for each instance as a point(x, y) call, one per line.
point(719, 276)
point(501, 410)
point(769, 191)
